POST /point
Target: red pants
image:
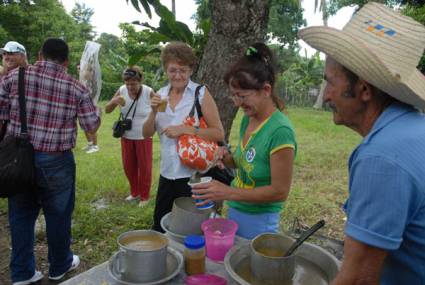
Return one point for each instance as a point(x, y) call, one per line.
point(137, 161)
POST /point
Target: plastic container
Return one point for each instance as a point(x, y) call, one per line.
point(208, 205)
point(219, 237)
point(194, 255)
point(205, 279)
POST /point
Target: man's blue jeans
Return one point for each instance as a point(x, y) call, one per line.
point(55, 194)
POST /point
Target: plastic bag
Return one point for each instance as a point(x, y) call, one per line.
point(195, 152)
point(90, 72)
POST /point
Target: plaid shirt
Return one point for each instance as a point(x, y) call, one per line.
point(54, 101)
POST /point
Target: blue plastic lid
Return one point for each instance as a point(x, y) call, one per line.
point(194, 242)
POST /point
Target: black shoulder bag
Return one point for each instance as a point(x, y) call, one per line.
point(17, 170)
point(124, 124)
point(225, 175)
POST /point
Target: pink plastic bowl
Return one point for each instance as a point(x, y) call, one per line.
point(205, 279)
point(219, 237)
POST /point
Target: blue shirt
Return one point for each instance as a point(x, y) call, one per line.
point(386, 205)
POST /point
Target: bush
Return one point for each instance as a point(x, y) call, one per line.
point(108, 90)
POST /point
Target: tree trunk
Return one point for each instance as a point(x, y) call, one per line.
point(173, 7)
point(235, 25)
point(319, 100)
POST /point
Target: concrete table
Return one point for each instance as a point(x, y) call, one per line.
point(99, 275)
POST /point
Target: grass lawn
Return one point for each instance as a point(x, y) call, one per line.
point(101, 214)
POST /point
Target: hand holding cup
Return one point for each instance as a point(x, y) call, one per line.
point(162, 105)
point(192, 183)
point(158, 104)
point(119, 100)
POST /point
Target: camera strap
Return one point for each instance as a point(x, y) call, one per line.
point(132, 104)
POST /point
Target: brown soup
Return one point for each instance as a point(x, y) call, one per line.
point(144, 243)
point(270, 252)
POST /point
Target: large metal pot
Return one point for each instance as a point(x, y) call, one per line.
point(268, 262)
point(186, 219)
point(142, 256)
point(237, 264)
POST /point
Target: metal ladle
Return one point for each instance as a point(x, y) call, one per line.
point(305, 235)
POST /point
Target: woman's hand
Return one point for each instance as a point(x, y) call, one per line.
point(155, 102)
point(224, 158)
point(212, 191)
point(176, 131)
point(222, 153)
point(118, 100)
point(114, 102)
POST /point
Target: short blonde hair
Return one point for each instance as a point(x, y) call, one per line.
point(180, 52)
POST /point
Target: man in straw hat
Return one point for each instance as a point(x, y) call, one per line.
point(374, 88)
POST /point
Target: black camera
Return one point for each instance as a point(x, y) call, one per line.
point(120, 127)
point(126, 124)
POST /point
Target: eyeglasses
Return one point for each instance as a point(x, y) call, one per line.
point(242, 96)
point(181, 71)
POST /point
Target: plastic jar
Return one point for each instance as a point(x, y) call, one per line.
point(194, 255)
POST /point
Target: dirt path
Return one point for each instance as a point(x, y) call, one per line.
point(4, 248)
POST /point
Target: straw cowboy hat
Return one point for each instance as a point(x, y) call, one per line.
point(381, 46)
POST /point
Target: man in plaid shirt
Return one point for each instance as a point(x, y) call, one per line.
point(54, 102)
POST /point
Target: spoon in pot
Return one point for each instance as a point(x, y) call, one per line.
point(305, 235)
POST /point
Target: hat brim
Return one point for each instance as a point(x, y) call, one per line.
point(355, 55)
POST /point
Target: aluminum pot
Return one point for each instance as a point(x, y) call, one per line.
point(267, 261)
point(186, 218)
point(142, 256)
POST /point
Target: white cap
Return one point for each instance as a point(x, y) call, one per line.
point(13, 47)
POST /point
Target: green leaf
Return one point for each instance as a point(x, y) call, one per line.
point(185, 32)
point(147, 8)
point(135, 4)
point(134, 58)
point(163, 12)
point(156, 38)
point(168, 26)
point(164, 29)
point(205, 26)
point(137, 56)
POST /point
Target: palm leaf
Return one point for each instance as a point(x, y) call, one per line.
point(147, 8)
point(135, 4)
